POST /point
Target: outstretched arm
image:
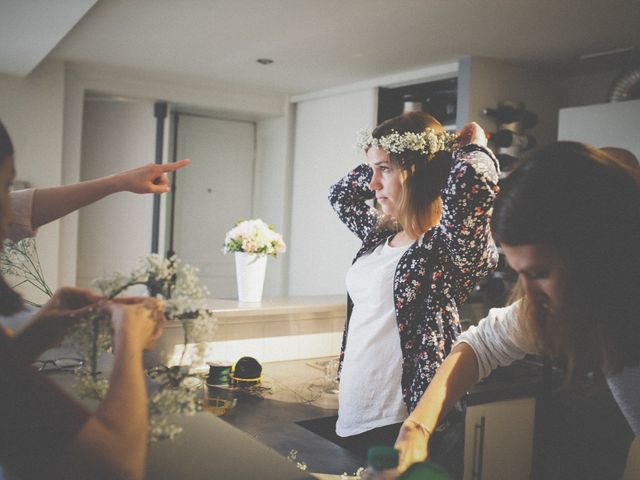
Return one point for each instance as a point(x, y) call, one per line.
point(498, 340)
point(457, 374)
point(50, 204)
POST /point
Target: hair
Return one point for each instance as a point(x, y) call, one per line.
point(6, 147)
point(622, 156)
point(10, 301)
point(574, 198)
point(423, 176)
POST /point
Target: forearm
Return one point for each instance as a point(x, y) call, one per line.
point(129, 425)
point(115, 439)
point(52, 203)
point(467, 203)
point(348, 197)
point(457, 374)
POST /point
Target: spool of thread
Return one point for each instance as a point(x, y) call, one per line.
point(218, 374)
point(246, 372)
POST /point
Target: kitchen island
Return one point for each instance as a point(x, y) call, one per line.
point(299, 408)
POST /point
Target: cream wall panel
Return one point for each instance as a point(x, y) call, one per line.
point(321, 247)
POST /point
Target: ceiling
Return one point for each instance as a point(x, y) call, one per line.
point(318, 44)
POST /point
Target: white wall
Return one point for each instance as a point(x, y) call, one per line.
point(116, 231)
point(272, 188)
point(603, 125)
point(31, 110)
point(483, 82)
point(44, 112)
point(321, 247)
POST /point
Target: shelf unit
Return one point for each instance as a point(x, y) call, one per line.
point(439, 98)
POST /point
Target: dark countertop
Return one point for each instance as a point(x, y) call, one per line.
point(274, 419)
point(207, 448)
point(274, 423)
point(296, 395)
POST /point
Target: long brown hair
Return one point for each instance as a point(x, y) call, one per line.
point(10, 301)
point(574, 198)
point(423, 176)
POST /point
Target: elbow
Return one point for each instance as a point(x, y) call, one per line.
point(332, 195)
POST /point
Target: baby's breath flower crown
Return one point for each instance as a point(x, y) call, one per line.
point(427, 142)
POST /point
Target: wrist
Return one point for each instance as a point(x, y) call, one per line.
point(116, 183)
point(417, 426)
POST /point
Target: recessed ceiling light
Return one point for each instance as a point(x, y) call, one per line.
point(264, 61)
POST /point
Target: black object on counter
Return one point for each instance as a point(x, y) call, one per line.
point(246, 372)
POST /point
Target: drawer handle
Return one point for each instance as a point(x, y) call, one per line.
point(478, 450)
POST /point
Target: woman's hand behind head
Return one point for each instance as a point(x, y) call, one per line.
point(472, 133)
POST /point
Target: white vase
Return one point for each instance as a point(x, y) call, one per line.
point(250, 271)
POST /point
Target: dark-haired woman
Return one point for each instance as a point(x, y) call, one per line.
point(423, 250)
point(44, 433)
point(568, 220)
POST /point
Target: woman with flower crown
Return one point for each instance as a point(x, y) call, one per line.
point(423, 250)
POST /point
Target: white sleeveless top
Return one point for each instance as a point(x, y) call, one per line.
point(370, 395)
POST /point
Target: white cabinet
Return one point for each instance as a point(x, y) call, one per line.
point(499, 440)
point(603, 125)
point(632, 470)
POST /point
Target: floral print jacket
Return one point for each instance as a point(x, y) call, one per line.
point(439, 270)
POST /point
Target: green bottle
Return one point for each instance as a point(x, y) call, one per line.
point(425, 471)
point(382, 464)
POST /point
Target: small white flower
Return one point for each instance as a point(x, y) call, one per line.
point(427, 142)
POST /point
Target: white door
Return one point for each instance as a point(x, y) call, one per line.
point(212, 194)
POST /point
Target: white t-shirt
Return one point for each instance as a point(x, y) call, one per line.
point(499, 340)
point(370, 394)
point(20, 224)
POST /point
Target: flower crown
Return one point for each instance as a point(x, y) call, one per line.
point(427, 142)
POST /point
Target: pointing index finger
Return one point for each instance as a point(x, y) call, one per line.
point(172, 167)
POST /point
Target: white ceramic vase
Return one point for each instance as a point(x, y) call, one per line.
point(250, 271)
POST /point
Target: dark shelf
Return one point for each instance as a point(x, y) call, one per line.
point(438, 98)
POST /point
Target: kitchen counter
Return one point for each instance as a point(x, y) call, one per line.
point(276, 329)
point(298, 396)
point(296, 393)
point(332, 304)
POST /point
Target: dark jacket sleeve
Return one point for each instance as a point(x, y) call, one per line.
point(467, 203)
point(348, 196)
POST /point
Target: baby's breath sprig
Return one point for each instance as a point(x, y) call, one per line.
point(185, 301)
point(20, 262)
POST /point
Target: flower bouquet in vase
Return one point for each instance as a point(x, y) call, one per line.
point(252, 241)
